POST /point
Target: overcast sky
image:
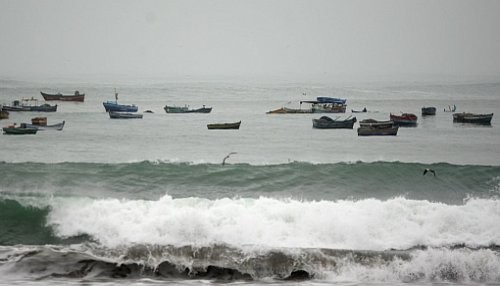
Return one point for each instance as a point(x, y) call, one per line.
point(369, 39)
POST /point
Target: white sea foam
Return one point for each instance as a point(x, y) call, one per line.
point(367, 224)
point(433, 265)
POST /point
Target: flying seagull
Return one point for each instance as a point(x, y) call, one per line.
point(227, 156)
point(429, 170)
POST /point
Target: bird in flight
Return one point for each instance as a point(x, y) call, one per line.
point(429, 171)
point(227, 156)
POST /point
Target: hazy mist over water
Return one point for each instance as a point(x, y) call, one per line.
point(149, 201)
point(327, 40)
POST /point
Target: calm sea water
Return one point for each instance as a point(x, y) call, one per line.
point(147, 201)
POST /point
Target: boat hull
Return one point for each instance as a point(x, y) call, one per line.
point(406, 119)
point(373, 131)
point(428, 111)
point(58, 126)
point(62, 97)
point(113, 106)
point(235, 125)
point(124, 115)
point(36, 108)
point(483, 119)
point(372, 123)
point(177, 109)
point(327, 123)
point(18, 130)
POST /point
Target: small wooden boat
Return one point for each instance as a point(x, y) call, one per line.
point(44, 108)
point(320, 105)
point(114, 106)
point(430, 110)
point(372, 123)
point(77, 96)
point(284, 110)
point(235, 125)
point(22, 130)
point(405, 119)
point(325, 122)
point(124, 115)
point(377, 131)
point(15, 107)
point(466, 117)
point(185, 109)
point(25, 106)
point(57, 126)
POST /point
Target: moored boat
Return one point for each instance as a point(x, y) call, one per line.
point(114, 106)
point(325, 122)
point(466, 117)
point(44, 108)
point(320, 105)
point(185, 109)
point(15, 106)
point(378, 131)
point(430, 110)
point(124, 115)
point(234, 125)
point(57, 126)
point(372, 123)
point(21, 130)
point(284, 110)
point(405, 119)
point(77, 96)
point(24, 105)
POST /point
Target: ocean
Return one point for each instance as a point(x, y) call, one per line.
point(148, 201)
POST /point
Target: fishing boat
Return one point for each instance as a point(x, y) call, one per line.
point(405, 119)
point(15, 106)
point(372, 123)
point(320, 105)
point(40, 123)
point(21, 130)
point(234, 125)
point(430, 110)
point(44, 108)
point(287, 110)
point(327, 105)
point(28, 105)
point(57, 126)
point(77, 96)
point(114, 106)
point(466, 117)
point(124, 115)
point(325, 122)
point(378, 131)
point(185, 109)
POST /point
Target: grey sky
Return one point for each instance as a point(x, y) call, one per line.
point(352, 38)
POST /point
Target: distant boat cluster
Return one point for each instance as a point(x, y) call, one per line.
point(372, 127)
point(367, 127)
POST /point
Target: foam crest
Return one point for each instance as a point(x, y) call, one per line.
point(433, 265)
point(366, 224)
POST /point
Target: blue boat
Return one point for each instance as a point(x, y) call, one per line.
point(324, 99)
point(114, 106)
